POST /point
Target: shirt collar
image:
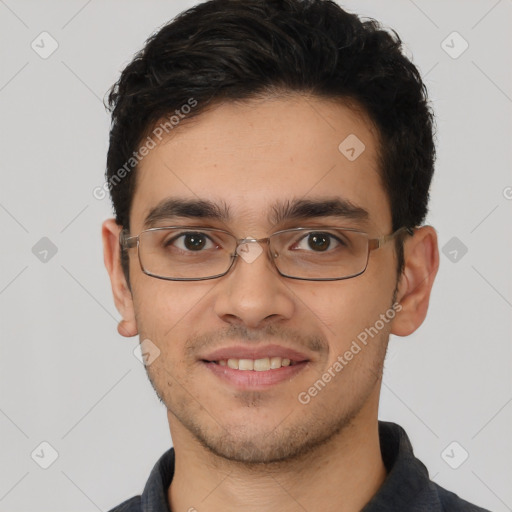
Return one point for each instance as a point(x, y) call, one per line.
point(407, 482)
point(154, 496)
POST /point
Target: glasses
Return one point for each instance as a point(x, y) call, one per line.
point(194, 253)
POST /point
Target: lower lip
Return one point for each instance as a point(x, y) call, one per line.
point(252, 379)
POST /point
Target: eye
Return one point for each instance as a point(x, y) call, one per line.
point(318, 242)
point(191, 241)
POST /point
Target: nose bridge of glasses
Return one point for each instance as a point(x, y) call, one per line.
point(250, 248)
point(249, 240)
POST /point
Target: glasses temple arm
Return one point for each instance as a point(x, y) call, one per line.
point(126, 241)
point(379, 242)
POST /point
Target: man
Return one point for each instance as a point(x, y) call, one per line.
point(269, 167)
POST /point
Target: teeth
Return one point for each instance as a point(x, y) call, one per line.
point(233, 363)
point(275, 362)
point(259, 365)
point(246, 364)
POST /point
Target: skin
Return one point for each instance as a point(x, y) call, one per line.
point(264, 450)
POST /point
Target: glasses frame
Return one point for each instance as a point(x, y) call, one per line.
point(128, 241)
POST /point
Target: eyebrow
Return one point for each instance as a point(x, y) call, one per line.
point(188, 208)
point(303, 209)
point(281, 211)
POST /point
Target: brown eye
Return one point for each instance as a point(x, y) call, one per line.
point(319, 241)
point(194, 241)
point(191, 241)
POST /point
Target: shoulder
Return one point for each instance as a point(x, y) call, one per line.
point(154, 495)
point(450, 502)
point(408, 486)
point(130, 505)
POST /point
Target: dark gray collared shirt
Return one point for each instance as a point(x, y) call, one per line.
point(407, 487)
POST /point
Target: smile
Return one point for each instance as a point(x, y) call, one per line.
point(255, 374)
point(258, 365)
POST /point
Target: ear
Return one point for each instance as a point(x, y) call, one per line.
point(421, 262)
point(122, 295)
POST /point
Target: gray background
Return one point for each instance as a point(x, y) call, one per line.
point(68, 378)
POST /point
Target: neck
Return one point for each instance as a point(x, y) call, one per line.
point(341, 475)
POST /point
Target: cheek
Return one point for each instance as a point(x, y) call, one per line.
point(167, 311)
point(157, 308)
point(348, 309)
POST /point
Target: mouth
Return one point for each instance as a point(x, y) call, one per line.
point(257, 365)
point(255, 374)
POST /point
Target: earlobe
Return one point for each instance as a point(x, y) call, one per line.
point(127, 328)
point(122, 295)
point(421, 256)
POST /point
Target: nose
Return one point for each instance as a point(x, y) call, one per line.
point(253, 292)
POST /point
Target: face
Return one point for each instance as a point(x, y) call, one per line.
point(246, 159)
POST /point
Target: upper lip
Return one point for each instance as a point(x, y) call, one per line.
point(245, 352)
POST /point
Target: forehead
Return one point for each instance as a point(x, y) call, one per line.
point(253, 155)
